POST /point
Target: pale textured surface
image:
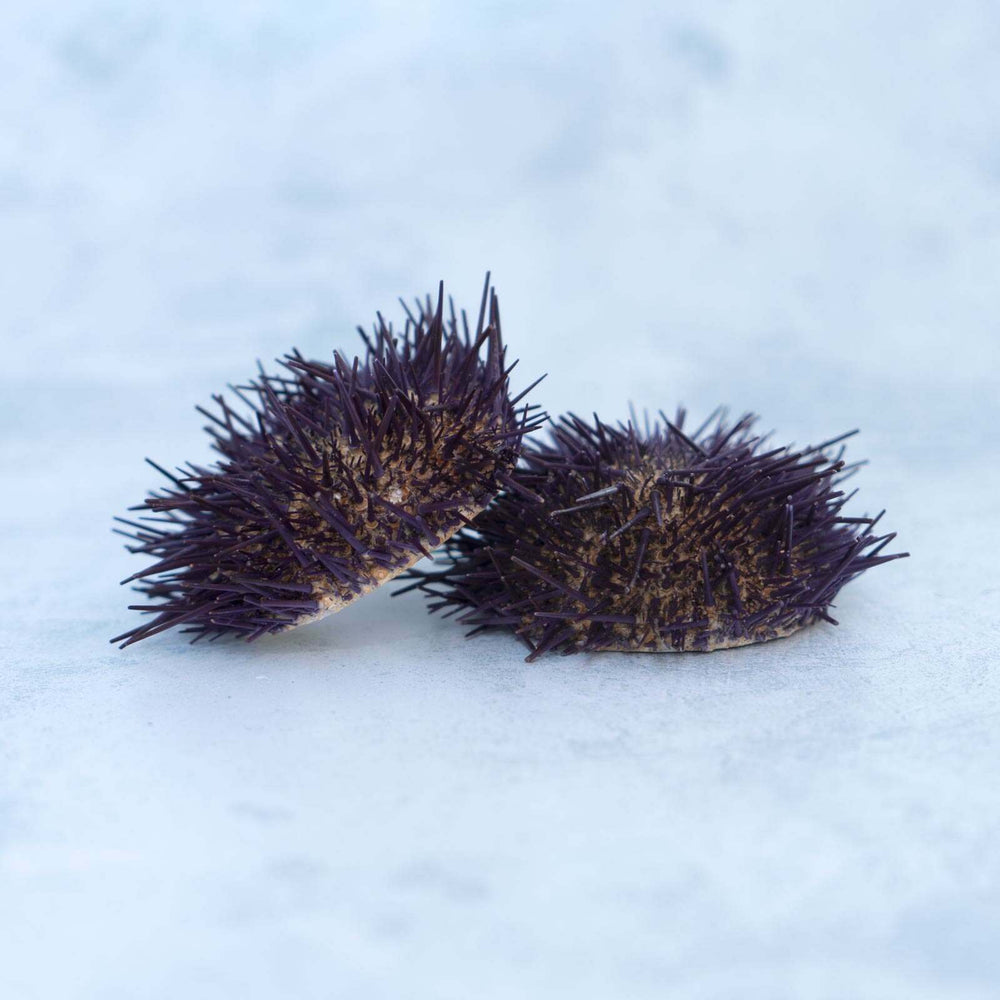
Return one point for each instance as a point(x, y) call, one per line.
point(791, 208)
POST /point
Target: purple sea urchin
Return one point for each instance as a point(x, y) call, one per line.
point(658, 541)
point(337, 478)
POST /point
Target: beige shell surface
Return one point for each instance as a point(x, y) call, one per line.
point(331, 601)
point(686, 590)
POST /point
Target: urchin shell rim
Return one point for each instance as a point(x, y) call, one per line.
point(330, 604)
point(737, 642)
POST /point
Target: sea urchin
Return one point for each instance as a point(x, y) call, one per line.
point(616, 539)
point(336, 478)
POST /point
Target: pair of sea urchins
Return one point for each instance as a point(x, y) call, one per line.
point(336, 477)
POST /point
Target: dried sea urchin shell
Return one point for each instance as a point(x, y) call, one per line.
point(338, 478)
point(658, 541)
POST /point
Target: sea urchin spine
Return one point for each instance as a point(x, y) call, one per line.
point(662, 540)
point(335, 478)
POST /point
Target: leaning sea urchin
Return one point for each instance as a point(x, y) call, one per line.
point(658, 541)
point(337, 478)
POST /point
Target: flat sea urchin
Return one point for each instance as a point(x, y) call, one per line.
point(658, 540)
point(337, 478)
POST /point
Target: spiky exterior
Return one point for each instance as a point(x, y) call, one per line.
point(658, 541)
point(336, 478)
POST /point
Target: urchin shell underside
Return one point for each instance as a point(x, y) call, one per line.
point(658, 540)
point(333, 478)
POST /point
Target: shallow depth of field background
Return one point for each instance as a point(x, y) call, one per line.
point(787, 207)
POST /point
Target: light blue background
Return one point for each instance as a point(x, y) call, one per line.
point(788, 207)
